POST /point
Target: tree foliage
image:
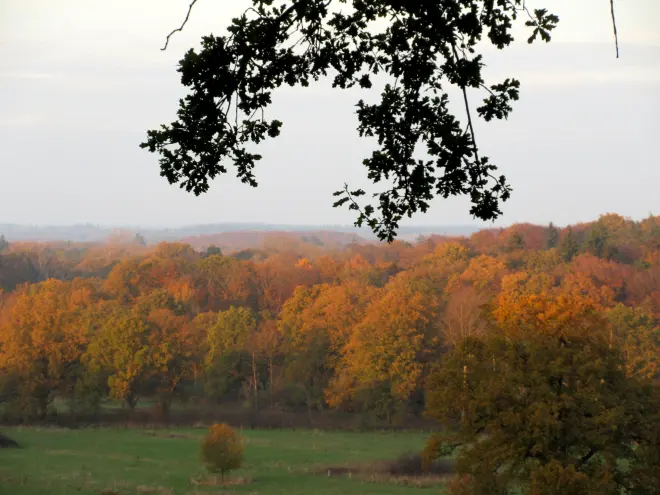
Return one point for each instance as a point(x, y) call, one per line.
point(411, 52)
point(315, 332)
point(222, 449)
point(546, 413)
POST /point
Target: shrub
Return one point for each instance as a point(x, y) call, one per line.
point(222, 449)
point(6, 442)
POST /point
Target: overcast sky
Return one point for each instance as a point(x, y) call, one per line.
point(82, 80)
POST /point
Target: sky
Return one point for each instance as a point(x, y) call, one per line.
point(81, 81)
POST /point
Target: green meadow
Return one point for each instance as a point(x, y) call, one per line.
point(166, 462)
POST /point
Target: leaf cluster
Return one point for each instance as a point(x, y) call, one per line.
point(421, 47)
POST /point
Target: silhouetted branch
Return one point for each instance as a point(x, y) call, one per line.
point(180, 28)
point(616, 36)
point(467, 109)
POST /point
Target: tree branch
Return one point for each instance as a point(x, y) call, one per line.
point(616, 36)
point(180, 28)
point(467, 109)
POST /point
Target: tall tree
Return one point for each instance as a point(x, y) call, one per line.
point(551, 237)
point(3, 243)
point(636, 333)
point(384, 361)
point(569, 246)
point(598, 240)
point(231, 357)
point(546, 414)
point(42, 339)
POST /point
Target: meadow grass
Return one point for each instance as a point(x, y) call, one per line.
point(166, 462)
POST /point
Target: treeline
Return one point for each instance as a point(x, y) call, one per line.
point(297, 327)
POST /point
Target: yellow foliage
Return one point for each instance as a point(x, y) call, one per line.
point(222, 449)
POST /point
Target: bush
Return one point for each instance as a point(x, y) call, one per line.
point(222, 449)
point(412, 464)
point(6, 442)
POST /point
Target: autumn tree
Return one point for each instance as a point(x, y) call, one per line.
point(231, 360)
point(170, 353)
point(637, 334)
point(384, 361)
point(223, 282)
point(120, 352)
point(463, 315)
point(222, 449)
point(316, 324)
point(4, 245)
point(545, 410)
point(268, 346)
point(42, 338)
point(544, 393)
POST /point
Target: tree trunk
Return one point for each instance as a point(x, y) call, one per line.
point(270, 383)
point(131, 401)
point(255, 383)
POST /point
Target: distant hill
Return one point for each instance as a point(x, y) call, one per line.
point(230, 235)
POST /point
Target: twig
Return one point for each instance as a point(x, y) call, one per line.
point(180, 28)
point(467, 109)
point(616, 36)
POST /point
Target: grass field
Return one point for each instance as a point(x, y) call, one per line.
point(162, 462)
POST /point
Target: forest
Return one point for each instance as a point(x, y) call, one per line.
point(537, 347)
point(298, 325)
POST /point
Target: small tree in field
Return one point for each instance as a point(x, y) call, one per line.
point(222, 449)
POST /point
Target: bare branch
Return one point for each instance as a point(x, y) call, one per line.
point(616, 36)
point(180, 28)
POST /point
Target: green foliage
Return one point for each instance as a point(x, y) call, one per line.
point(231, 332)
point(547, 411)
point(222, 449)
point(637, 334)
point(213, 250)
point(226, 373)
point(423, 47)
point(515, 242)
point(120, 353)
point(569, 246)
point(598, 241)
point(552, 237)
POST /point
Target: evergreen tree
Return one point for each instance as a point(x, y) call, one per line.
point(598, 241)
point(552, 237)
point(515, 242)
point(569, 246)
point(139, 240)
point(213, 250)
point(3, 243)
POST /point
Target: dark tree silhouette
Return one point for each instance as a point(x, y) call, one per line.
point(3, 243)
point(424, 46)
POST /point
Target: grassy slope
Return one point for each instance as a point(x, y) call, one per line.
point(86, 461)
